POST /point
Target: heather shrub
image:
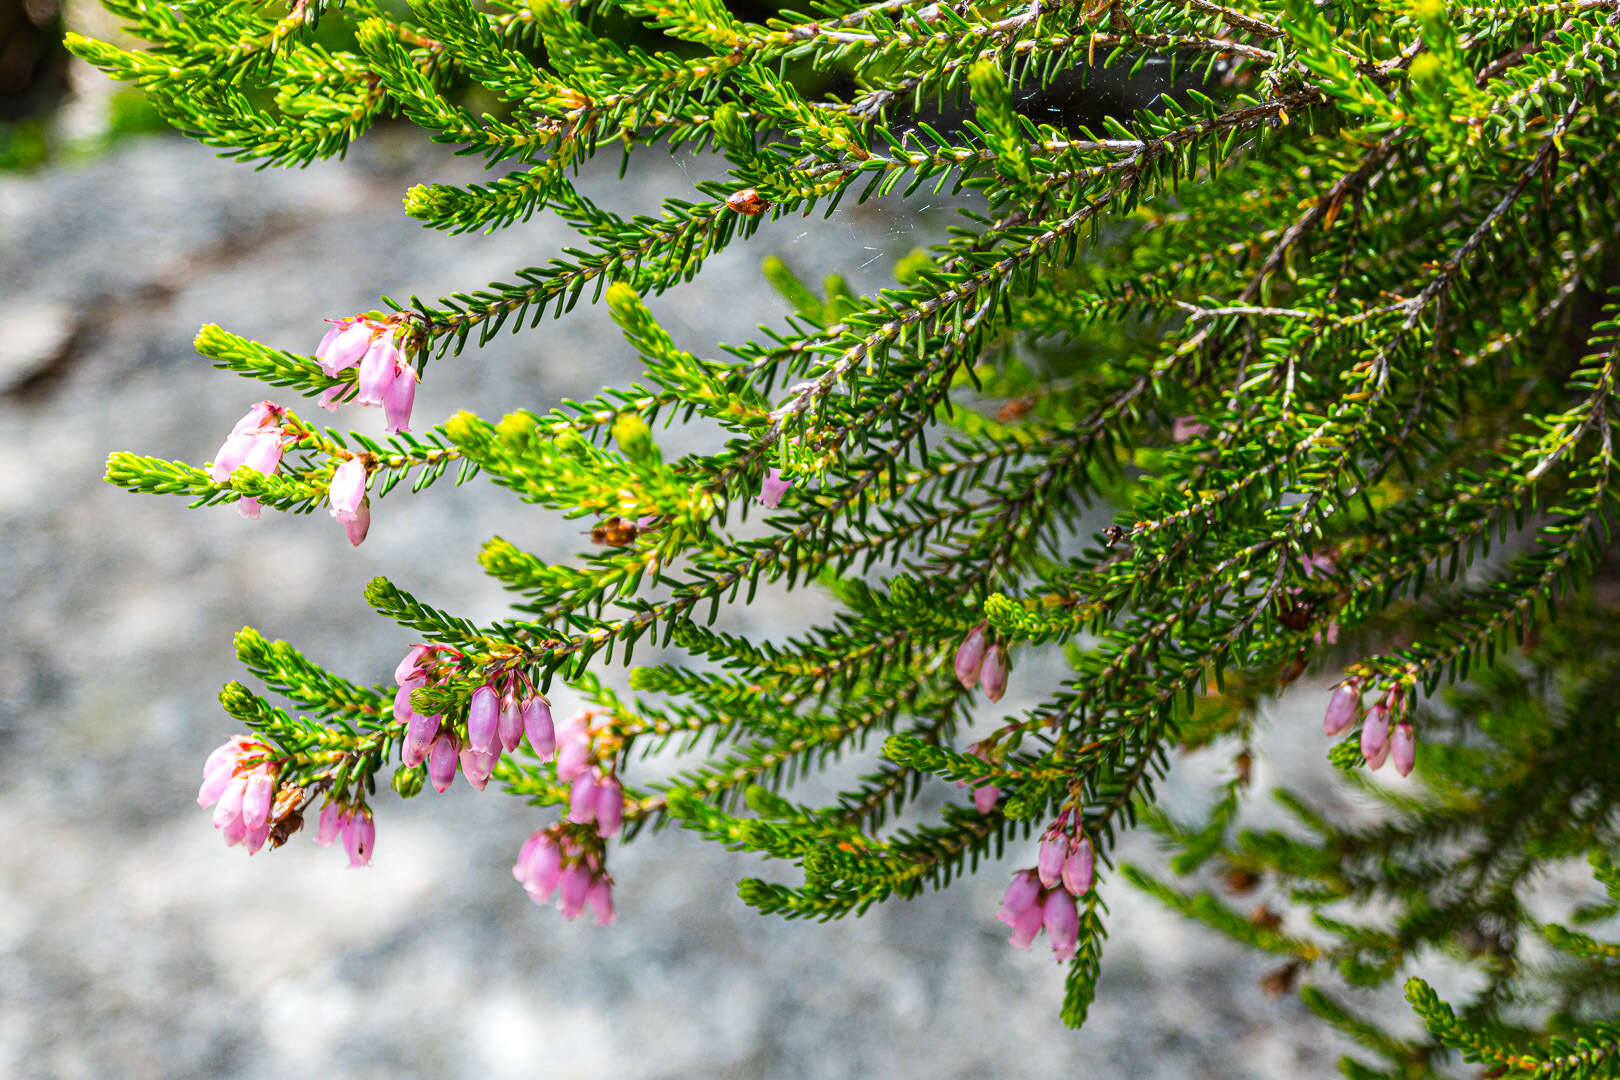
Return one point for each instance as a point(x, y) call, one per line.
point(1325, 331)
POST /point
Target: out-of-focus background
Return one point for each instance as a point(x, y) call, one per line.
point(134, 944)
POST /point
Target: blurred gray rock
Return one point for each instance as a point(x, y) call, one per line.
point(35, 341)
point(133, 944)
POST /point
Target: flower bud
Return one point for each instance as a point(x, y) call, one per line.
point(477, 765)
point(442, 762)
point(572, 756)
point(609, 807)
point(359, 837)
point(970, 657)
point(1342, 709)
point(377, 371)
point(407, 780)
point(1049, 863)
point(534, 841)
point(331, 824)
point(1375, 735)
point(419, 736)
point(1403, 748)
point(402, 698)
point(1062, 922)
point(483, 719)
point(1022, 893)
point(215, 783)
point(993, 676)
point(399, 398)
point(538, 727)
point(342, 347)
point(772, 488)
point(573, 887)
point(234, 831)
point(600, 898)
point(582, 799)
point(231, 453)
point(228, 751)
point(357, 524)
point(415, 663)
point(1027, 925)
point(510, 730)
point(264, 453)
point(229, 807)
point(256, 798)
point(347, 488)
point(1187, 427)
point(264, 416)
point(985, 798)
point(1079, 869)
point(539, 867)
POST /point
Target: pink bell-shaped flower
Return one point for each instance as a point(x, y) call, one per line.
point(537, 725)
point(1403, 748)
point(1023, 892)
point(419, 735)
point(1049, 862)
point(415, 663)
point(331, 824)
point(1062, 922)
point(347, 488)
point(1375, 735)
point(1079, 869)
point(600, 898)
point(1027, 926)
point(1342, 709)
point(510, 729)
point(573, 887)
point(344, 345)
point(573, 755)
point(441, 761)
point(478, 765)
point(772, 488)
point(985, 798)
point(378, 370)
point(970, 657)
point(399, 398)
point(483, 718)
point(539, 867)
point(582, 799)
point(993, 675)
point(256, 797)
point(609, 807)
point(359, 837)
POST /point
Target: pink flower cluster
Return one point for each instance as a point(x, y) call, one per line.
point(255, 441)
point(986, 796)
point(500, 714)
point(385, 377)
point(1378, 742)
point(354, 825)
point(239, 781)
point(595, 794)
point(553, 863)
point(1044, 898)
point(979, 663)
